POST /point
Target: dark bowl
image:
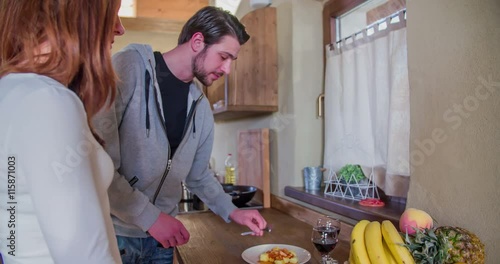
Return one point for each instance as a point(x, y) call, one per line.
point(241, 194)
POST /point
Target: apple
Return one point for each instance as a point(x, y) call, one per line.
point(414, 218)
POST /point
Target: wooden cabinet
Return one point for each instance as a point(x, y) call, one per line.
point(251, 88)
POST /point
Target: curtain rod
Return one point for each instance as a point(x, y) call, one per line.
point(378, 22)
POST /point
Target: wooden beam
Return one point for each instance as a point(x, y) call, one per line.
point(152, 24)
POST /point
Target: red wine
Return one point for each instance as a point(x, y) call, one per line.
point(325, 245)
point(325, 238)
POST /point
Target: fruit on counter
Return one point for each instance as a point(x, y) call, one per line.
point(446, 244)
point(413, 219)
point(373, 242)
point(369, 244)
point(426, 247)
point(464, 245)
point(351, 257)
point(388, 253)
point(358, 247)
point(395, 243)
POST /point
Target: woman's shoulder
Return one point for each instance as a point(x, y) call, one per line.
point(39, 93)
point(31, 83)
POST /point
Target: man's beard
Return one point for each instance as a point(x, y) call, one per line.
point(198, 70)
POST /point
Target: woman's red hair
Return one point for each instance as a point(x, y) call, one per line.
point(67, 40)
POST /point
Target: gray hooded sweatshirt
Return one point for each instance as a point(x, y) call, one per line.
point(148, 179)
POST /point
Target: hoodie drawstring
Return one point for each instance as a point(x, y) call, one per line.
point(194, 122)
point(194, 113)
point(148, 81)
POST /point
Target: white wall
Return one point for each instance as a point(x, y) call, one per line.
point(454, 70)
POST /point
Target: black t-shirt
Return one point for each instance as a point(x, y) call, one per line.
point(174, 95)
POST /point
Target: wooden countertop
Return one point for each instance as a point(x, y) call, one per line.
point(213, 241)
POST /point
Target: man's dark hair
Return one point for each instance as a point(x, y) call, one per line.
point(214, 23)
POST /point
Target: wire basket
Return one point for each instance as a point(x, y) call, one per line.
point(351, 189)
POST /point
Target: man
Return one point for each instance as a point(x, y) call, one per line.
point(159, 133)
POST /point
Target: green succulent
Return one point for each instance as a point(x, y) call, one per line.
point(349, 170)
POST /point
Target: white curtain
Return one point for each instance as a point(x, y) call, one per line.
point(367, 106)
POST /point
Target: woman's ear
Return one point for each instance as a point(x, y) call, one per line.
point(197, 42)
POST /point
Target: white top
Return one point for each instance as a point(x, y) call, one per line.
point(54, 177)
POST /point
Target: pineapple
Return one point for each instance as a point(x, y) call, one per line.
point(464, 246)
point(445, 245)
point(426, 247)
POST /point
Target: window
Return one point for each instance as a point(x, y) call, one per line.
point(357, 18)
point(128, 8)
point(342, 18)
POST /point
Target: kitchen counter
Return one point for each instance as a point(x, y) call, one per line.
point(213, 241)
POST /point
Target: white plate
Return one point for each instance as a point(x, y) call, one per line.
point(251, 255)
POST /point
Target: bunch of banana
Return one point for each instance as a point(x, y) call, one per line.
point(375, 243)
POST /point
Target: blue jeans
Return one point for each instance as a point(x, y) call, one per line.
point(135, 250)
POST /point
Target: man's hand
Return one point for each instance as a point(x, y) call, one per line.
point(250, 218)
point(169, 231)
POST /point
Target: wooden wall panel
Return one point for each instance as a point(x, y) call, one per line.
point(152, 24)
point(257, 65)
point(178, 10)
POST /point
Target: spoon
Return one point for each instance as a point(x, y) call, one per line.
point(268, 228)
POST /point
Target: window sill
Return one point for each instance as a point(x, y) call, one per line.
point(348, 208)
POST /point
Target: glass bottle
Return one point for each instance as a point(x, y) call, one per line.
point(230, 170)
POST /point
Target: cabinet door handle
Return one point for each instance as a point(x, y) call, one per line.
point(321, 99)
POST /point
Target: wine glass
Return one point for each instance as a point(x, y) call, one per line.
point(325, 236)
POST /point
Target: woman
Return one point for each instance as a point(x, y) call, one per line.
point(55, 74)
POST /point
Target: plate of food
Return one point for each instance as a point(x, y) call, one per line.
point(274, 253)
